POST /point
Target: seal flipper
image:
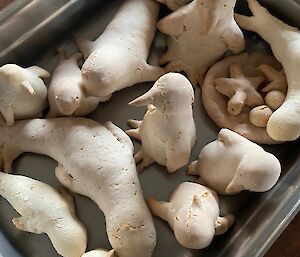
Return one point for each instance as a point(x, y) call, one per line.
point(26, 225)
point(26, 85)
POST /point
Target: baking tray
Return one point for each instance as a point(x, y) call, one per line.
point(30, 32)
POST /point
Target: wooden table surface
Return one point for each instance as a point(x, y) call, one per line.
point(3, 3)
point(287, 245)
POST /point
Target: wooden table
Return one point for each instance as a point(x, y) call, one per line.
point(3, 3)
point(288, 244)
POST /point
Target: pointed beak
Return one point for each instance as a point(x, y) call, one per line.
point(233, 188)
point(111, 253)
point(145, 99)
point(196, 201)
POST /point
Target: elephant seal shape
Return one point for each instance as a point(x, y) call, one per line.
point(96, 161)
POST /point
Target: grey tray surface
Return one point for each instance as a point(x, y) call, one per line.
point(30, 35)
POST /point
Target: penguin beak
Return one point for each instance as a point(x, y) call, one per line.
point(145, 99)
point(111, 253)
point(233, 187)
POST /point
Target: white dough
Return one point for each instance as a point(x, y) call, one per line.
point(168, 131)
point(23, 93)
point(233, 163)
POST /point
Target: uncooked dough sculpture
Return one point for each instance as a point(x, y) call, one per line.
point(23, 93)
point(240, 90)
point(118, 58)
point(96, 161)
point(44, 210)
point(200, 33)
point(193, 214)
point(168, 131)
point(284, 124)
point(216, 104)
point(66, 94)
point(233, 163)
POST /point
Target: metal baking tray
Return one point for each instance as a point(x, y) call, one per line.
point(30, 32)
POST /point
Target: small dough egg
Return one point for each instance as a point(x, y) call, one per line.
point(274, 99)
point(260, 115)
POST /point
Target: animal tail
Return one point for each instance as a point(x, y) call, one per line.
point(84, 45)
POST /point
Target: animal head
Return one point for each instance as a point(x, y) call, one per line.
point(68, 99)
point(194, 226)
point(171, 93)
point(223, 148)
point(14, 77)
point(10, 74)
point(100, 73)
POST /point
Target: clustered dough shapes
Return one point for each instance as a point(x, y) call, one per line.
point(66, 94)
point(284, 124)
point(233, 163)
point(240, 90)
point(199, 35)
point(193, 214)
point(216, 103)
point(44, 210)
point(260, 115)
point(96, 161)
point(23, 93)
point(168, 131)
point(118, 58)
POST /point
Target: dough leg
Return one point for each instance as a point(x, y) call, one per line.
point(223, 224)
point(163, 210)
point(26, 225)
point(142, 160)
point(120, 135)
point(9, 154)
